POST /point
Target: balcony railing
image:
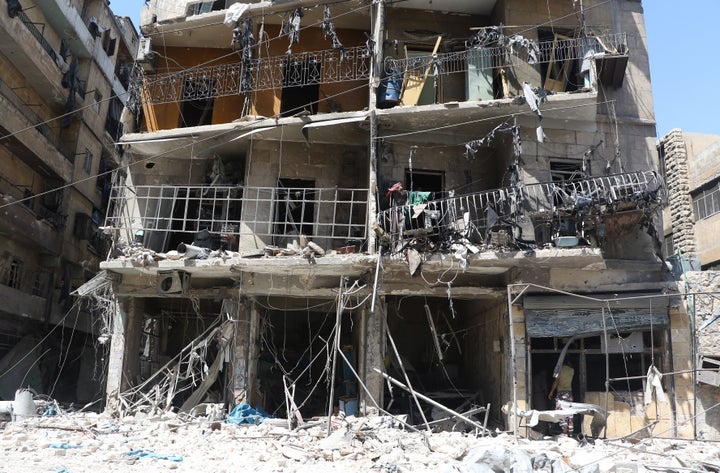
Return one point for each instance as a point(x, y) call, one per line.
point(42, 127)
point(330, 66)
point(294, 70)
point(332, 218)
point(523, 216)
point(38, 31)
point(548, 51)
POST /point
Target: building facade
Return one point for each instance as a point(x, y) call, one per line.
point(456, 196)
point(64, 73)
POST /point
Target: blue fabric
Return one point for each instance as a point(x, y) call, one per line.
point(151, 454)
point(245, 414)
point(63, 445)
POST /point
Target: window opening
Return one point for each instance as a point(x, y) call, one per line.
point(198, 111)
point(301, 87)
point(87, 165)
point(558, 68)
point(14, 274)
point(294, 207)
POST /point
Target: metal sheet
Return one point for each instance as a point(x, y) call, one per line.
point(569, 322)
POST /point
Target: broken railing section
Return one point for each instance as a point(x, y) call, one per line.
point(570, 49)
point(570, 213)
point(191, 371)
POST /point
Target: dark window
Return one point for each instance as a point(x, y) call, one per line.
point(112, 122)
point(424, 181)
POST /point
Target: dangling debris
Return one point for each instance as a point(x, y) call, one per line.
point(328, 29)
point(292, 28)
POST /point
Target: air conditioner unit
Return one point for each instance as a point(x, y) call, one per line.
point(173, 282)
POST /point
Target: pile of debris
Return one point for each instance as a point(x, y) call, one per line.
point(83, 442)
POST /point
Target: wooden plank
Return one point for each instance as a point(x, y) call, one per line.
point(413, 86)
point(149, 110)
point(557, 77)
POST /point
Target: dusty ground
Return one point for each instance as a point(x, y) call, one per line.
point(95, 443)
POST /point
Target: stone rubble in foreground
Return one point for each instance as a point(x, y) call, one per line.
point(87, 442)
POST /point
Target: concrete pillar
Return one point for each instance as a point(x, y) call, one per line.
point(123, 364)
point(373, 352)
point(241, 350)
point(253, 354)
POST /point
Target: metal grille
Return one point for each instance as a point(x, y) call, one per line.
point(478, 214)
point(331, 217)
point(321, 67)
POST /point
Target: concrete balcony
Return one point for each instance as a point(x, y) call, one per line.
point(18, 303)
point(22, 42)
point(38, 146)
point(17, 221)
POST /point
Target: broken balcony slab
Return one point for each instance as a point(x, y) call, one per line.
point(475, 118)
point(332, 128)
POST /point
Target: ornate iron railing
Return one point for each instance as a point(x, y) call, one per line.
point(534, 214)
point(294, 70)
point(352, 64)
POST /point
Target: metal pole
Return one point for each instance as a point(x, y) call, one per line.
point(607, 366)
point(430, 401)
point(513, 364)
point(336, 343)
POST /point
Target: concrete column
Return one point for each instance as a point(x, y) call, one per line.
point(123, 365)
point(253, 354)
point(241, 350)
point(373, 352)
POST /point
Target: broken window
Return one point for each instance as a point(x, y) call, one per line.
point(294, 207)
point(301, 87)
point(87, 164)
point(13, 274)
point(709, 372)
point(558, 67)
point(108, 43)
point(205, 7)
point(198, 110)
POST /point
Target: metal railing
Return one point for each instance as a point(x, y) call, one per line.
point(9, 94)
point(494, 216)
point(330, 66)
point(548, 51)
point(39, 34)
point(294, 70)
point(332, 217)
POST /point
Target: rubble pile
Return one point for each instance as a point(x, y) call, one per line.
point(84, 442)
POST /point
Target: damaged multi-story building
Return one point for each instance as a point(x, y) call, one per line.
point(327, 201)
point(691, 162)
point(64, 73)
